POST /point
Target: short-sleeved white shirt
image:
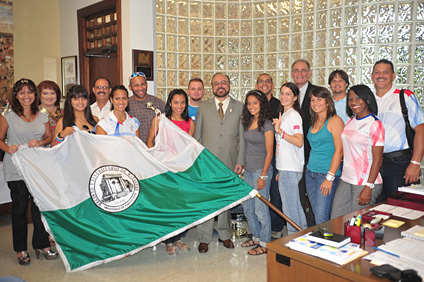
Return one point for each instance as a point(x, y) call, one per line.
point(358, 138)
point(95, 110)
point(288, 156)
point(390, 114)
point(113, 127)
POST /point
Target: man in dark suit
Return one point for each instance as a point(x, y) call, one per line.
point(301, 72)
point(219, 129)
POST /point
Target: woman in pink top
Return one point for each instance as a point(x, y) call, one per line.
point(363, 142)
point(177, 111)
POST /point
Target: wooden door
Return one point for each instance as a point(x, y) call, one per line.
point(100, 49)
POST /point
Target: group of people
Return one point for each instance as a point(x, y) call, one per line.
point(331, 148)
point(342, 152)
point(34, 118)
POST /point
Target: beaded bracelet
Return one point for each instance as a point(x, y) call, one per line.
point(58, 139)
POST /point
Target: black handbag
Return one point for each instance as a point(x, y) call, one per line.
point(410, 132)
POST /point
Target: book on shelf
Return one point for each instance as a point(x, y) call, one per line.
point(342, 255)
point(415, 232)
point(335, 241)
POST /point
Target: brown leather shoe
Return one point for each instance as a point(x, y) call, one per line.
point(227, 243)
point(203, 248)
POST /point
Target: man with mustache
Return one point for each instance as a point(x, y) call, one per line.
point(401, 165)
point(219, 129)
point(101, 90)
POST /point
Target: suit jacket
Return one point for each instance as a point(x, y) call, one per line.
point(223, 138)
point(306, 119)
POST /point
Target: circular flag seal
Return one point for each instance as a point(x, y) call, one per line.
point(113, 188)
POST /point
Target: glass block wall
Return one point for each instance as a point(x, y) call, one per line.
point(246, 38)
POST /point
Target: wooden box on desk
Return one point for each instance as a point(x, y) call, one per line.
point(407, 200)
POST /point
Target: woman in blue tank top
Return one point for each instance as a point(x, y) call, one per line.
point(323, 169)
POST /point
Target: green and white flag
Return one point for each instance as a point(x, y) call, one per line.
point(105, 197)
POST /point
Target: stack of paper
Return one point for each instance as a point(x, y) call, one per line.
point(340, 255)
point(409, 254)
point(413, 189)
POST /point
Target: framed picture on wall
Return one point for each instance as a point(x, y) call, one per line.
point(143, 62)
point(69, 73)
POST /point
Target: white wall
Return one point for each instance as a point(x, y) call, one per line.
point(69, 27)
point(138, 30)
point(142, 32)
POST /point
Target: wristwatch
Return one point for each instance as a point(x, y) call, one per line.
point(263, 177)
point(330, 177)
point(371, 185)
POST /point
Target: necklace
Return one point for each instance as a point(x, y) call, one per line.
point(320, 122)
point(28, 118)
point(84, 126)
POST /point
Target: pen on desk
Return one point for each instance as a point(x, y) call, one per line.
point(387, 252)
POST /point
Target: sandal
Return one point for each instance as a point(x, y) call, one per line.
point(24, 259)
point(52, 242)
point(249, 243)
point(182, 246)
point(258, 250)
point(170, 249)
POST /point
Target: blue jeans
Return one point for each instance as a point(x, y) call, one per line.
point(321, 205)
point(256, 212)
point(289, 190)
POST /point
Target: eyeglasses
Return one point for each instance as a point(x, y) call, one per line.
point(268, 81)
point(101, 87)
point(137, 74)
point(300, 71)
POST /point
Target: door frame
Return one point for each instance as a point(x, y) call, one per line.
point(90, 11)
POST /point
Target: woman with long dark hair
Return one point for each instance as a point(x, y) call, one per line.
point(118, 122)
point(323, 169)
point(24, 124)
point(259, 137)
point(176, 109)
point(363, 143)
point(289, 156)
point(77, 113)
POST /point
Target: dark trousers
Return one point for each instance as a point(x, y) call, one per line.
point(20, 197)
point(393, 171)
point(277, 222)
point(304, 201)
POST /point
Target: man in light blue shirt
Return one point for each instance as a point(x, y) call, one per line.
point(339, 81)
point(196, 90)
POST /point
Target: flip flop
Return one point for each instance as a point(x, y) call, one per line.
point(249, 243)
point(257, 251)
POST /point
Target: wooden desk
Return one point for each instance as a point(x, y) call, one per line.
point(285, 264)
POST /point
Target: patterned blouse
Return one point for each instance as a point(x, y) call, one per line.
point(52, 118)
